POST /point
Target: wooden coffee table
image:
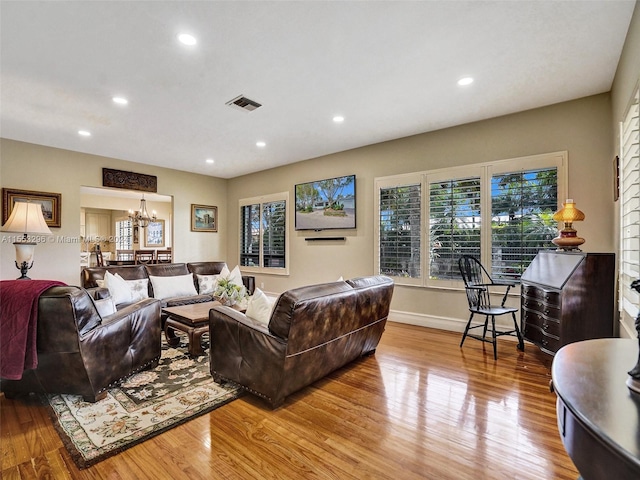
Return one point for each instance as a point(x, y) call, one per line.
point(191, 319)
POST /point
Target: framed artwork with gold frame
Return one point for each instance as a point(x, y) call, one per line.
point(51, 204)
point(204, 218)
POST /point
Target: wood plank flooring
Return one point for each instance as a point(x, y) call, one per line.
point(420, 408)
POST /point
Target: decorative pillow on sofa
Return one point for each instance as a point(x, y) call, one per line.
point(259, 307)
point(207, 283)
point(139, 289)
point(234, 276)
point(174, 286)
point(105, 306)
point(118, 288)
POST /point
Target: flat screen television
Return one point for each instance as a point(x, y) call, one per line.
point(326, 204)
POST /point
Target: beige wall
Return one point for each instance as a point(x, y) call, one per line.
point(32, 167)
point(581, 127)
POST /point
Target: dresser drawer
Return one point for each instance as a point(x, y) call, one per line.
point(551, 326)
point(533, 333)
point(535, 304)
point(550, 297)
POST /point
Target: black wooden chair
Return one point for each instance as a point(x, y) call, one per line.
point(478, 284)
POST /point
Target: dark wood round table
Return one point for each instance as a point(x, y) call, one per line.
point(598, 416)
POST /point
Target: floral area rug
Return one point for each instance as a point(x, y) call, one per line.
point(179, 389)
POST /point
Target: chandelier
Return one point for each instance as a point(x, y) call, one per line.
point(141, 218)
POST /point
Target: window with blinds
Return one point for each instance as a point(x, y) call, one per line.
point(273, 234)
point(500, 212)
point(124, 233)
point(250, 235)
point(454, 225)
point(629, 216)
point(522, 208)
point(263, 239)
point(400, 233)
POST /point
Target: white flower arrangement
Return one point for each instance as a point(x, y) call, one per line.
point(228, 293)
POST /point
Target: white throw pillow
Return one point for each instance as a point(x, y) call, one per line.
point(139, 289)
point(118, 288)
point(207, 283)
point(235, 277)
point(174, 286)
point(105, 306)
point(259, 307)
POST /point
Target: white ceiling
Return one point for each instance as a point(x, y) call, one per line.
point(389, 67)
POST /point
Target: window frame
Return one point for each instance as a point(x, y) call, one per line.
point(261, 200)
point(486, 170)
point(629, 193)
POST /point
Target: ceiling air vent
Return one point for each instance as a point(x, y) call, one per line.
point(243, 103)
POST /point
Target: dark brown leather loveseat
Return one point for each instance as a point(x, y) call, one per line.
point(80, 352)
point(312, 331)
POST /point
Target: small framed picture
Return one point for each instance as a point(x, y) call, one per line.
point(154, 235)
point(50, 202)
point(204, 218)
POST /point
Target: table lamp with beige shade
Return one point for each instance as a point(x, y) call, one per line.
point(27, 219)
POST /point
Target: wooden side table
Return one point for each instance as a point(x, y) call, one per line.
point(598, 416)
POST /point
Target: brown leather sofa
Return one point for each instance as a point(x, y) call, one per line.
point(82, 353)
point(91, 275)
point(312, 331)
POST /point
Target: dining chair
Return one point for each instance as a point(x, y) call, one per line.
point(164, 256)
point(144, 256)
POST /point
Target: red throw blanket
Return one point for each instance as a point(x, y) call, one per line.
point(18, 322)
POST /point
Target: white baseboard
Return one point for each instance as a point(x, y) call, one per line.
point(444, 323)
point(430, 321)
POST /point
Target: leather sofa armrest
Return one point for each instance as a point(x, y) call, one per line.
point(98, 293)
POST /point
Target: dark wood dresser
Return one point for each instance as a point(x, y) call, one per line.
point(567, 297)
point(598, 416)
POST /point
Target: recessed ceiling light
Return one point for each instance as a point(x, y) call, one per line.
point(187, 39)
point(465, 81)
point(209, 160)
point(84, 133)
point(261, 144)
point(338, 119)
point(120, 100)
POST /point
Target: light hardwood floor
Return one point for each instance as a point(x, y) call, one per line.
point(421, 407)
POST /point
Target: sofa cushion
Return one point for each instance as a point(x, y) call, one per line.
point(175, 286)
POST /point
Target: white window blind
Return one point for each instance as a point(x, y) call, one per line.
point(630, 216)
point(273, 234)
point(400, 232)
point(522, 207)
point(250, 235)
point(454, 225)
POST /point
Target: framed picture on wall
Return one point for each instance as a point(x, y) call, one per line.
point(154, 234)
point(204, 218)
point(50, 202)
